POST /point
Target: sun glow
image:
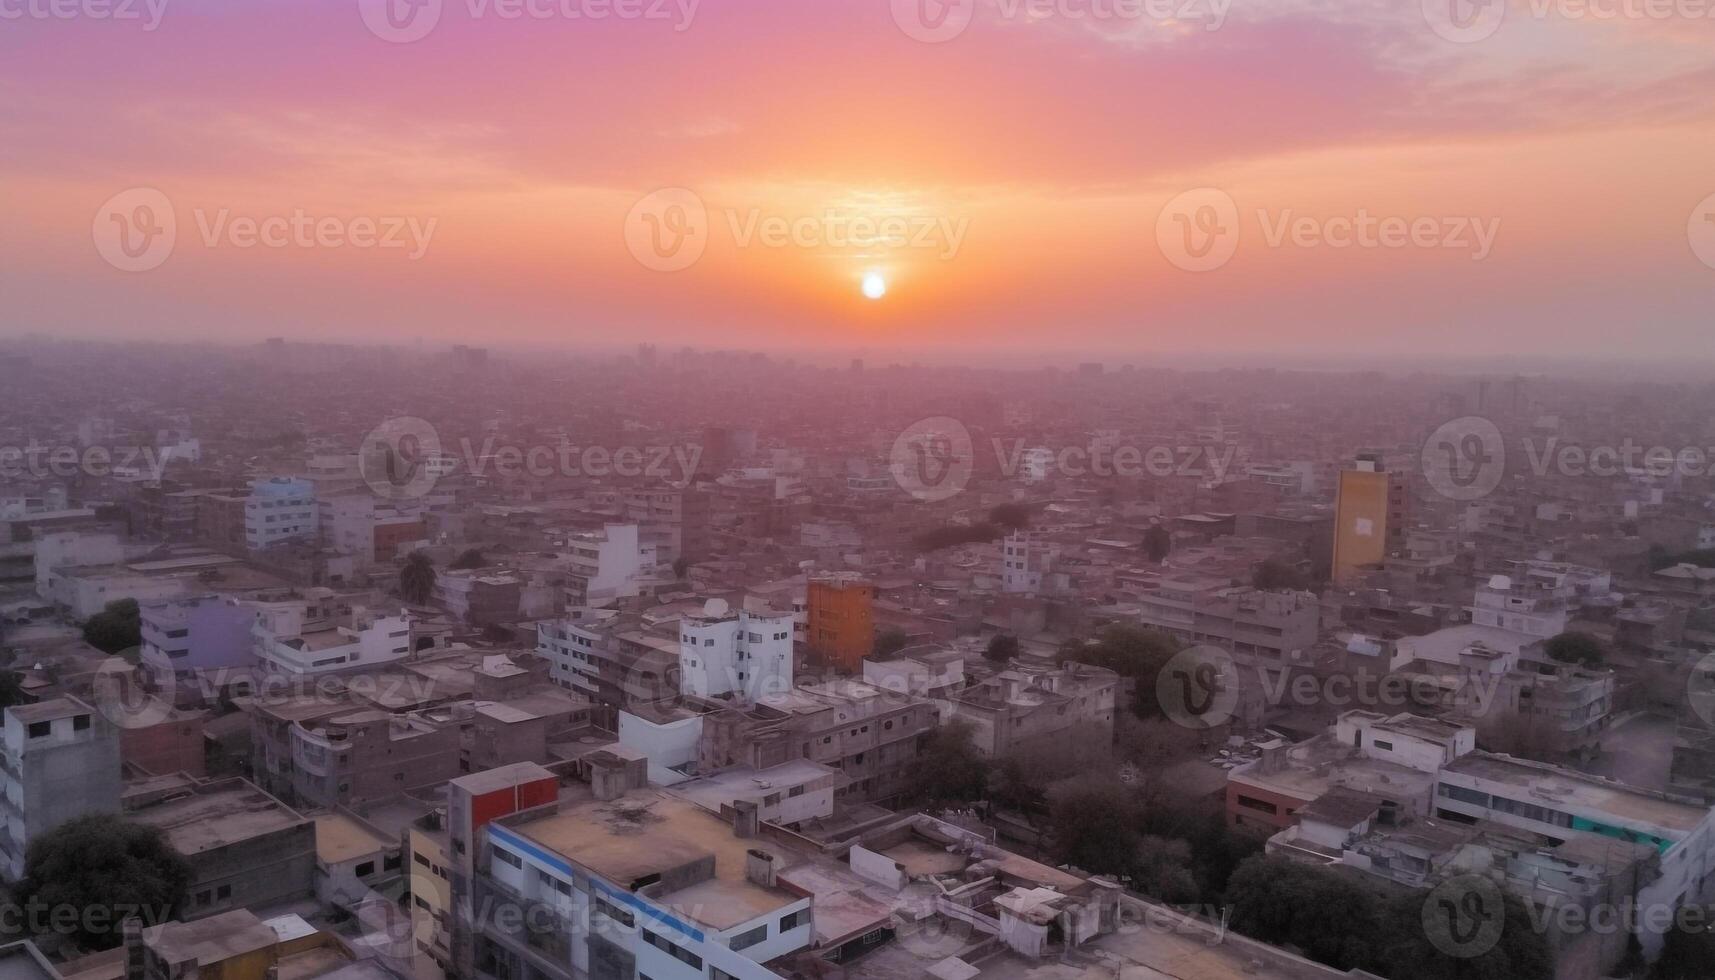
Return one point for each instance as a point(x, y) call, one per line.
point(874, 285)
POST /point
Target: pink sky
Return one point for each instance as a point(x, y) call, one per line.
point(1030, 159)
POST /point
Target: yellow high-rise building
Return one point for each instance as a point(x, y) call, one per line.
point(1364, 496)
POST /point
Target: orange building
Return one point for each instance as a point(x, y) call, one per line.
point(1361, 506)
point(841, 620)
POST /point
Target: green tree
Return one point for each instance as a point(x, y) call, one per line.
point(118, 627)
point(1002, 648)
point(1522, 952)
point(1273, 575)
point(1163, 870)
point(948, 769)
point(1094, 823)
point(417, 578)
point(1157, 543)
point(469, 558)
point(104, 862)
point(1013, 517)
point(1133, 652)
point(12, 689)
point(680, 567)
point(889, 642)
point(1686, 954)
point(1581, 649)
point(1328, 916)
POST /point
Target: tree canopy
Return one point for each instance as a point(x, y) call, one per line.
point(117, 628)
point(949, 770)
point(1581, 649)
point(1157, 543)
point(417, 578)
point(469, 558)
point(104, 863)
point(1001, 648)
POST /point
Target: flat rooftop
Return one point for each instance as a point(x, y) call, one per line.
point(340, 838)
point(1547, 785)
point(647, 832)
point(215, 818)
point(723, 787)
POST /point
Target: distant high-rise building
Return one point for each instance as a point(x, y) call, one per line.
point(1369, 511)
point(841, 627)
point(61, 762)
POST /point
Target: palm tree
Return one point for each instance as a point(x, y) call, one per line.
point(417, 578)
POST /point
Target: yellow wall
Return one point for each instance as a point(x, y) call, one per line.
point(1360, 522)
point(840, 627)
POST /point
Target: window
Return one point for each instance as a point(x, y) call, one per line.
point(365, 869)
point(673, 949)
point(1261, 806)
point(1384, 746)
point(223, 892)
point(80, 723)
point(614, 912)
point(793, 920)
point(41, 729)
point(420, 859)
point(507, 857)
point(747, 939)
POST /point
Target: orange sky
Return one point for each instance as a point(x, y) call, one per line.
point(1020, 171)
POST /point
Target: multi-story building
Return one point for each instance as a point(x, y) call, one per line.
point(1369, 516)
point(204, 633)
point(300, 637)
point(479, 598)
point(279, 510)
point(734, 652)
point(1557, 804)
point(611, 658)
point(1519, 607)
point(1025, 704)
point(672, 894)
point(1395, 758)
point(60, 761)
point(244, 848)
point(840, 626)
point(606, 565)
point(868, 734)
point(1027, 564)
point(1274, 626)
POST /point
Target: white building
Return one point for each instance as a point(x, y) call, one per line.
point(606, 565)
point(59, 761)
point(744, 653)
point(72, 549)
point(279, 510)
point(1025, 561)
point(1505, 604)
point(1557, 803)
point(287, 642)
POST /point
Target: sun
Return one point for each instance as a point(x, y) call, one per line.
point(874, 285)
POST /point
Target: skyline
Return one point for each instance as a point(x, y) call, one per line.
point(1532, 172)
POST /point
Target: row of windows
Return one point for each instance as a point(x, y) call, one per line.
point(673, 949)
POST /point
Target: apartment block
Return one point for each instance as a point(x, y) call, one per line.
point(1027, 704)
point(840, 626)
point(734, 652)
point(59, 761)
point(1276, 626)
point(279, 510)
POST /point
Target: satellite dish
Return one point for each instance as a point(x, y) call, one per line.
point(715, 608)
